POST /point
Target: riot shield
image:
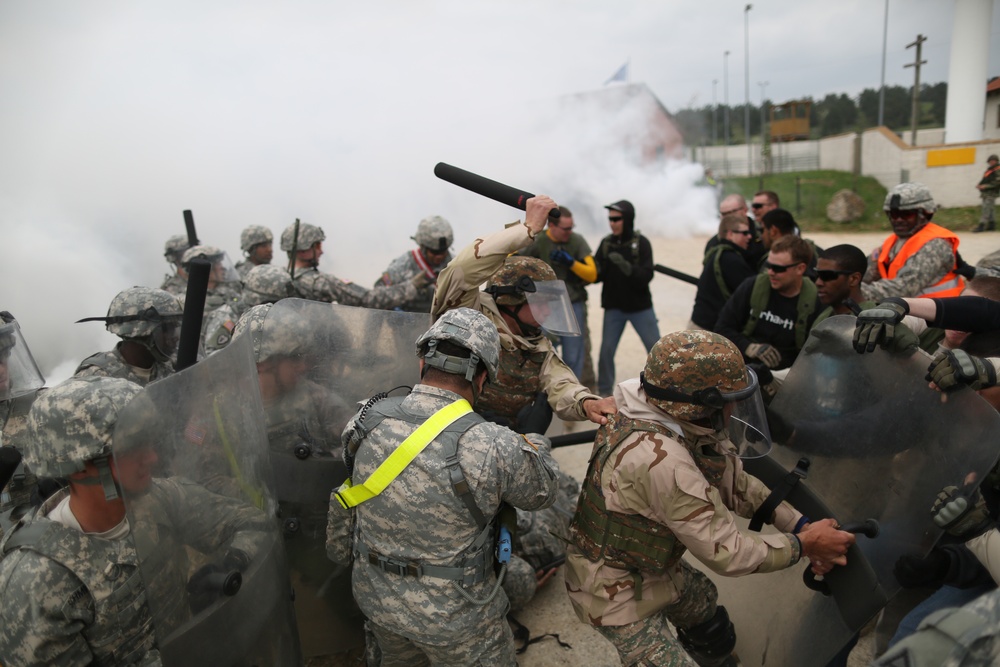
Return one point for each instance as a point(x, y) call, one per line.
point(192, 464)
point(880, 445)
point(316, 362)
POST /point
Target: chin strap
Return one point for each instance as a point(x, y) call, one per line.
point(527, 330)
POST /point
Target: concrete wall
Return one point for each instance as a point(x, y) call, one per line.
point(838, 152)
point(992, 123)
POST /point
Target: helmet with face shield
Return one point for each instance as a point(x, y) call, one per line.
point(147, 316)
point(700, 376)
point(19, 374)
point(223, 270)
point(528, 280)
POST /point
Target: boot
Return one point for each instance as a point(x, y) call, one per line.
point(981, 227)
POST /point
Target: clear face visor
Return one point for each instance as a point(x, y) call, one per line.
point(166, 336)
point(19, 374)
point(223, 269)
point(746, 421)
point(552, 309)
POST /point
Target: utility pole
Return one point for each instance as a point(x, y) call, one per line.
point(715, 114)
point(881, 89)
point(764, 148)
point(916, 86)
point(725, 112)
point(746, 90)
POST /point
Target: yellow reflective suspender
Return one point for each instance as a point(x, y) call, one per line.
point(350, 495)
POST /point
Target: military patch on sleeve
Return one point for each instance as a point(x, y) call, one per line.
point(195, 432)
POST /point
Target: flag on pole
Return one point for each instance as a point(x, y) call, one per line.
point(620, 75)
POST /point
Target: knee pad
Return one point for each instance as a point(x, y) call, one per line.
point(710, 643)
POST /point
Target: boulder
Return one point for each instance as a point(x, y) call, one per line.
point(845, 206)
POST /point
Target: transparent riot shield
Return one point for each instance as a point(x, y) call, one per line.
point(192, 463)
point(880, 445)
point(316, 362)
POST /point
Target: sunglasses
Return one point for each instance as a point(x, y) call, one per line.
point(757, 204)
point(831, 274)
point(615, 218)
point(744, 232)
point(778, 268)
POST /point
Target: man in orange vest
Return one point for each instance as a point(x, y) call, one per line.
point(918, 258)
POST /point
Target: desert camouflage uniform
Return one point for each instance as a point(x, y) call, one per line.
point(88, 603)
point(926, 267)
point(416, 618)
point(112, 364)
point(313, 284)
point(687, 481)
point(964, 637)
point(458, 285)
point(401, 270)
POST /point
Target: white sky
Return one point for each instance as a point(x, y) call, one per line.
point(116, 116)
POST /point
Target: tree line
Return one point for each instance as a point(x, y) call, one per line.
point(834, 114)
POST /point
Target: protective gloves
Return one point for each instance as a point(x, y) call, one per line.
point(877, 326)
point(623, 264)
point(536, 416)
point(954, 368)
point(560, 256)
point(962, 514)
point(769, 354)
point(913, 571)
point(420, 280)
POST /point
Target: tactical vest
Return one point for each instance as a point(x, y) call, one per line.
point(714, 255)
point(951, 284)
point(805, 306)
point(518, 381)
point(629, 542)
point(122, 631)
point(474, 564)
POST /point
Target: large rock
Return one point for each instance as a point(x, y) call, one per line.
point(846, 206)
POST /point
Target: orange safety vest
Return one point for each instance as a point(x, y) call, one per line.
point(952, 283)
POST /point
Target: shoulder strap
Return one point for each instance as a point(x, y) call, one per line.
point(806, 306)
point(716, 254)
point(758, 302)
point(350, 495)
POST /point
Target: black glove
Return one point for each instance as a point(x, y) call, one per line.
point(536, 416)
point(913, 571)
point(560, 256)
point(618, 260)
point(951, 369)
point(962, 514)
point(763, 373)
point(876, 326)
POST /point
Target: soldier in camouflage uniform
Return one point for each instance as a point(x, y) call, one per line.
point(664, 479)
point(20, 383)
point(434, 237)
point(266, 283)
point(221, 299)
point(148, 322)
point(528, 362)
point(257, 244)
point(304, 245)
point(173, 250)
point(424, 545)
point(73, 594)
point(989, 190)
point(918, 258)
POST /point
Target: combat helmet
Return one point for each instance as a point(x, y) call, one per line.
point(909, 197)
point(174, 248)
point(518, 275)
point(434, 233)
point(146, 315)
point(466, 328)
point(283, 332)
point(266, 283)
point(73, 423)
point(255, 235)
point(688, 373)
point(308, 236)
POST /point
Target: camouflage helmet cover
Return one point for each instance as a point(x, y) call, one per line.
point(278, 334)
point(153, 304)
point(308, 235)
point(174, 248)
point(209, 252)
point(255, 235)
point(992, 158)
point(908, 197)
point(466, 328)
point(74, 422)
point(689, 361)
point(266, 283)
point(435, 233)
point(513, 274)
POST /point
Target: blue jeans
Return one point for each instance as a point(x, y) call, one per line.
point(572, 346)
point(944, 597)
point(644, 323)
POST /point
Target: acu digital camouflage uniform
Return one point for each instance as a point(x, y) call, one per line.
point(74, 598)
point(420, 521)
point(20, 384)
point(173, 251)
point(434, 233)
point(253, 235)
point(527, 365)
point(140, 315)
point(222, 298)
point(659, 485)
point(311, 283)
point(929, 268)
point(989, 190)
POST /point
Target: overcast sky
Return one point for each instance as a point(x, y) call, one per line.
point(116, 116)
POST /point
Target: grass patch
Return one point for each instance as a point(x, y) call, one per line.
point(806, 194)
